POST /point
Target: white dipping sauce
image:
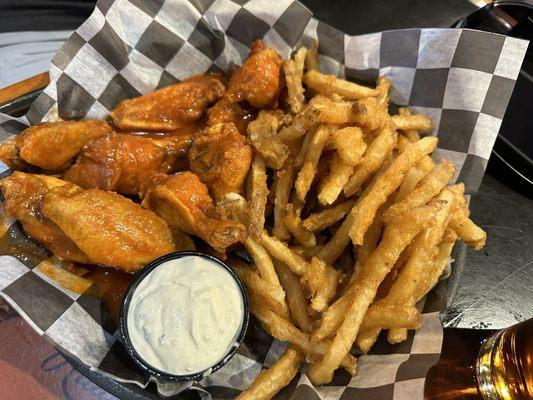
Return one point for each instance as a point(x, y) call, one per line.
point(185, 315)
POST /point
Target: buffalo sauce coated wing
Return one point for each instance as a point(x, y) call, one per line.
point(258, 80)
point(51, 145)
point(23, 198)
point(110, 229)
point(171, 107)
point(184, 202)
point(122, 162)
point(221, 158)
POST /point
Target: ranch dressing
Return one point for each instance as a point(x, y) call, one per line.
point(185, 315)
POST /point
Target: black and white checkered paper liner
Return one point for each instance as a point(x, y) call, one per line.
point(462, 79)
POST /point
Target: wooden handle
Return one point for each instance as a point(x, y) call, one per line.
point(26, 86)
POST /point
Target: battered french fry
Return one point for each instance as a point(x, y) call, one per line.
point(467, 230)
point(262, 261)
point(370, 113)
point(383, 86)
point(283, 181)
point(285, 331)
point(257, 195)
point(263, 134)
point(365, 210)
point(330, 84)
point(426, 189)
point(280, 251)
point(411, 122)
point(323, 219)
point(300, 157)
point(411, 134)
point(271, 295)
point(375, 155)
point(311, 58)
point(396, 236)
point(417, 268)
point(441, 260)
point(333, 249)
point(295, 89)
point(349, 144)
point(322, 280)
point(308, 171)
point(333, 184)
point(415, 175)
point(295, 297)
point(294, 225)
point(391, 316)
point(272, 380)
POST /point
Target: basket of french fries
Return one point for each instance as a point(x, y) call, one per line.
point(327, 193)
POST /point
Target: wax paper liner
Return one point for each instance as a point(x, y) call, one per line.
point(463, 79)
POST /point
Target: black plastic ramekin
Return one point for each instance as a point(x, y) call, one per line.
point(123, 320)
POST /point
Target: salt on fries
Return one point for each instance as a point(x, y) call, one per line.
point(344, 176)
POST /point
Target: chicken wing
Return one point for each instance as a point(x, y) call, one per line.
point(110, 229)
point(171, 107)
point(258, 80)
point(122, 162)
point(23, 198)
point(221, 158)
point(51, 145)
point(226, 111)
point(184, 202)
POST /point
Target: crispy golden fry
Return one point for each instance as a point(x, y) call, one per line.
point(370, 112)
point(293, 70)
point(333, 184)
point(330, 84)
point(295, 297)
point(283, 181)
point(293, 223)
point(439, 264)
point(263, 135)
point(272, 296)
point(309, 169)
point(412, 134)
point(257, 193)
point(262, 261)
point(322, 280)
point(321, 220)
point(396, 236)
point(300, 156)
point(333, 249)
point(320, 109)
point(417, 267)
point(376, 153)
point(285, 331)
point(283, 253)
point(415, 175)
point(465, 228)
point(426, 189)
point(413, 122)
point(365, 210)
point(272, 380)
point(311, 58)
point(402, 144)
point(349, 144)
point(383, 86)
point(170, 107)
point(391, 316)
